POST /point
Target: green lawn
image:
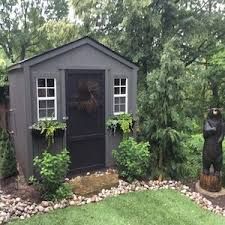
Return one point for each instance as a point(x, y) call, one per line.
point(165, 207)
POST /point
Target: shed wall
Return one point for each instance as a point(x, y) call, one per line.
point(18, 121)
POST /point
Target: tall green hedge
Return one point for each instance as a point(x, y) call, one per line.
point(8, 166)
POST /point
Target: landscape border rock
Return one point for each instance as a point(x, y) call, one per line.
point(14, 208)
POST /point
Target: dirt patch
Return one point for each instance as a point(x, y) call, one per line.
point(92, 184)
point(17, 187)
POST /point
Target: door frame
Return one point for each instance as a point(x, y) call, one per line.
point(105, 72)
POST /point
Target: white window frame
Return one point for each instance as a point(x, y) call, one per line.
point(47, 98)
point(120, 95)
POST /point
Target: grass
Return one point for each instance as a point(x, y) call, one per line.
point(165, 207)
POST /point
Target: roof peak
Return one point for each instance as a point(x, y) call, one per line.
point(76, 43)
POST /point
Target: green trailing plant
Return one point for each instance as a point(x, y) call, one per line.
point(124, 122)
point(48, 128)
point(132, 159)
point(8, 165)
point(52, 170)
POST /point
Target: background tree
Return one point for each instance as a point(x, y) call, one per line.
point(56, 33)
point(139, 29)
point(20, 21)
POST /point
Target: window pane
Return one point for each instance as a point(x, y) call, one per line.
point(123, 90)
point(42, 104)
point(123, 82)
point(42, 113)
point(50, 93)
point(50, 113)
point(116, 90)
point(122, 108)
point(117, 100)
point(41, 92)
point(116, 108)
point(116, 82)
point(122, 100)
point(50, 82)
point(50, 104)
point(41, 82)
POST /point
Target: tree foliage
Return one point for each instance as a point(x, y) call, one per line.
point(161, 112)
point(20, 21)
point(56, 33)
point(8, 165)
point(139, 29)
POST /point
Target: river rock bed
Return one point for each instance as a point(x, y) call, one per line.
point(12, 208)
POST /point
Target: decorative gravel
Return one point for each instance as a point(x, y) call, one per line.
point(11, 208)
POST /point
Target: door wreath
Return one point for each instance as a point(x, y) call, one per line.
point(87, 93)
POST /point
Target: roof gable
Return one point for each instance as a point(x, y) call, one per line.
point(71, 46)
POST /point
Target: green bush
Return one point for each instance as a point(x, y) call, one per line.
point(8, 166)
point(64, 191)
point(193, 146)
point(52, 170)
point(132, 159)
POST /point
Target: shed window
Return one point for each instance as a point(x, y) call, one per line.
point(120, 96)
point(46, 98)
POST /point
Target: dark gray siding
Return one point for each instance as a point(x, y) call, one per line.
point(18, 121)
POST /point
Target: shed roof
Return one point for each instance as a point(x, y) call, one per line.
point(70, 46)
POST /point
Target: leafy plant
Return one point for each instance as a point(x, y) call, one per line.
point(132, 159)
point(48, 128)
point(8, 165)
point(123, 121)
point(64, 191)
point(52, 170)
point(192, 146)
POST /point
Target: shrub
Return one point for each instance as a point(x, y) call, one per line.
point(52, 170)
point(64, 191)
point(192, 166)
point(132, 159)
point(8, 166)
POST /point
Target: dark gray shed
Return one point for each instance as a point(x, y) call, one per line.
point(54, 84)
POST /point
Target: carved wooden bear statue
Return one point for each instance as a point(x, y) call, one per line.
point(213, 133)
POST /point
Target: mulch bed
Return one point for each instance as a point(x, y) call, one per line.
point(17, 187)
point(220, 201)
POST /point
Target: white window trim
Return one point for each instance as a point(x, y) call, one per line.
point(120, 95)
point(46, 98)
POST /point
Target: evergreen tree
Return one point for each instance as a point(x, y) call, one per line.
point(161, 113)
point(8, 166)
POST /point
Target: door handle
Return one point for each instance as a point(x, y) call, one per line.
point(65, 118)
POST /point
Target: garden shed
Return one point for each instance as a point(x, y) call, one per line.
point(82, 83)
